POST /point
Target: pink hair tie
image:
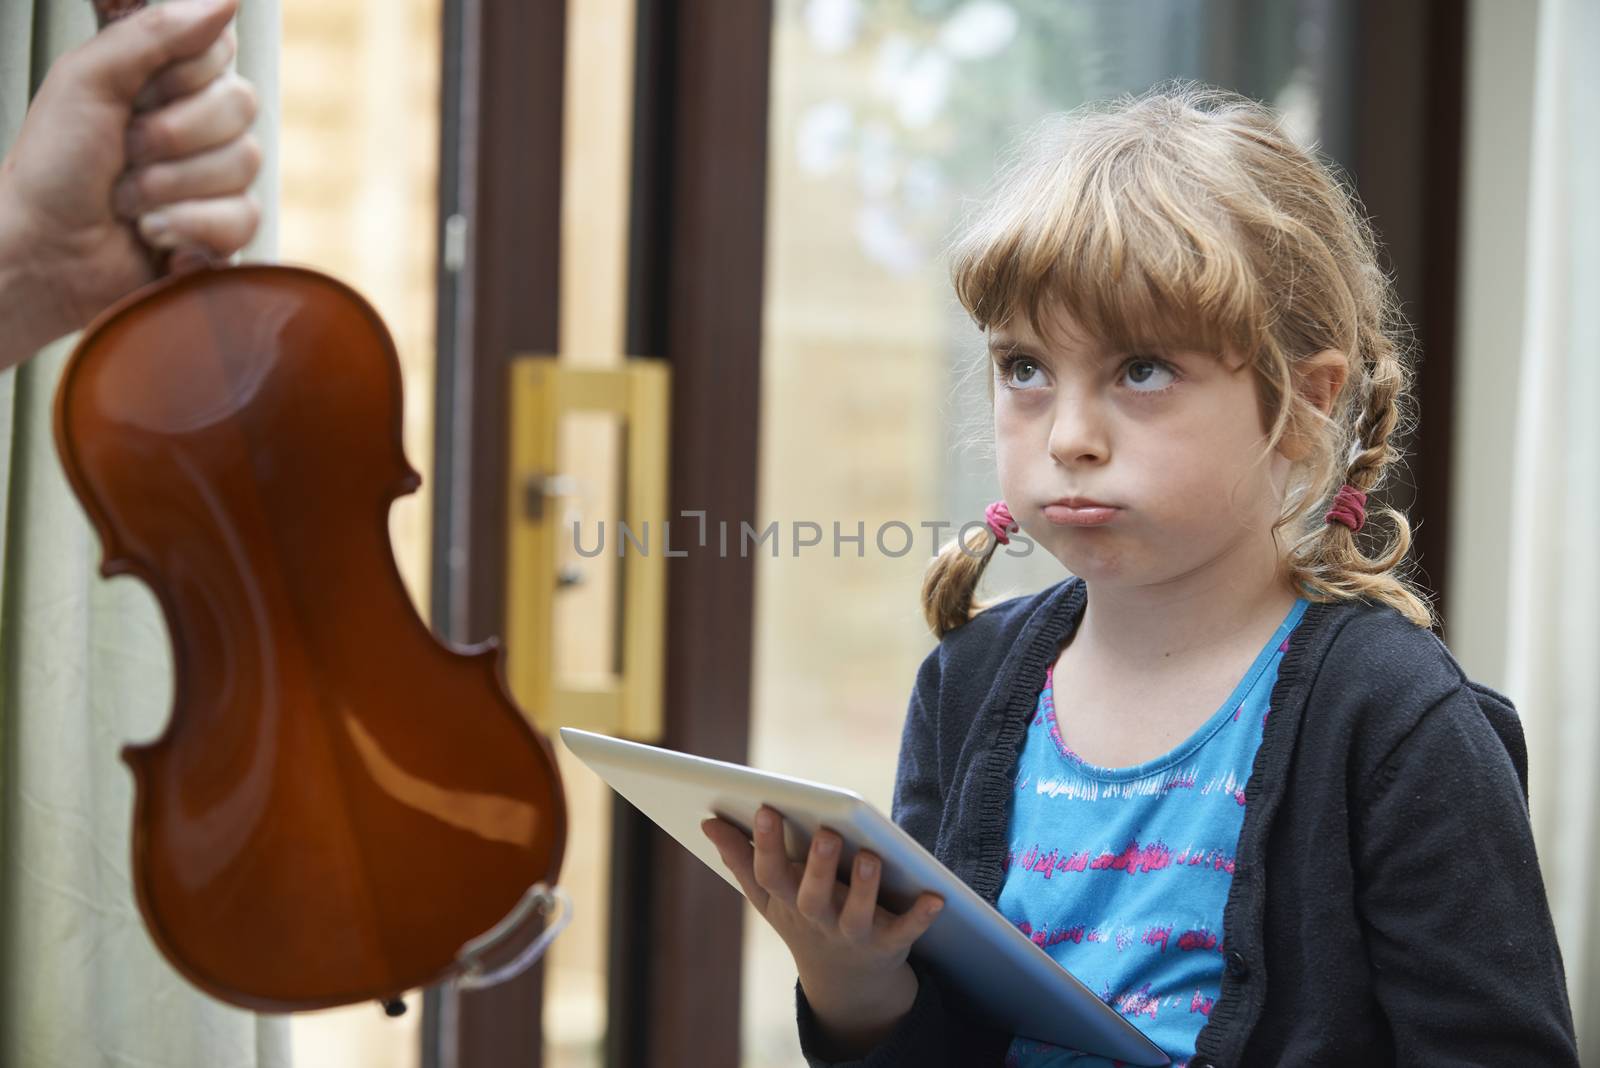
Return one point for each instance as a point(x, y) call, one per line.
point(999, 519)
point(1349, 508)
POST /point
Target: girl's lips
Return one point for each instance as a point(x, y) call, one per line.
point(1093, 516)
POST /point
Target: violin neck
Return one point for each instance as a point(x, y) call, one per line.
point(109, 11)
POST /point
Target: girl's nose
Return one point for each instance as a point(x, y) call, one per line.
point(1079, 434)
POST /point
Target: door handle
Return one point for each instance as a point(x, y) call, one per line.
point(544, 391)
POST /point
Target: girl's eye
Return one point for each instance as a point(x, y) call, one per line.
point(1019, 372)
point(1145, 375)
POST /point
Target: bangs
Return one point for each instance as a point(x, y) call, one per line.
point(1107, 224)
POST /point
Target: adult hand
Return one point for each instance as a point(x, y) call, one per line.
point(141, 126)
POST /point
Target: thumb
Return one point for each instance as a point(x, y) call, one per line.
point(121, 58)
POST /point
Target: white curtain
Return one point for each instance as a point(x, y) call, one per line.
point(85, 668)
point(1553, 617)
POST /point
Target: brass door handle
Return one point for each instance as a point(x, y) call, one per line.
point(544, 390)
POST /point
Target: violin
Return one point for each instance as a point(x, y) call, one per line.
point(342, 806)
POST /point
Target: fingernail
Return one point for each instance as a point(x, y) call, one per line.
point(933, 909)
point(827, 846)
point(156, 228)
point(866, 866)
point(763, 820)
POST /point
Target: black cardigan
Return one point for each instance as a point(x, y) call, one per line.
point(1386, 904)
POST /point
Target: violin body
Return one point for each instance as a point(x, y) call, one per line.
point(340, 800)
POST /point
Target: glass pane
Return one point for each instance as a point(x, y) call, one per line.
point(886, 116)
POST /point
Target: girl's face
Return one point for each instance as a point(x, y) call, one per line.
point(1171, 440)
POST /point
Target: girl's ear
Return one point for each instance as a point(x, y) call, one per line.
point(1322, 377)
point(1319, 380)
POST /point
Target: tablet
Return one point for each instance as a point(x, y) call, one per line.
point(971, 947)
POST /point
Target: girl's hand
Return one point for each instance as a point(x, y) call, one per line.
point(847, 948)
point(142, 125)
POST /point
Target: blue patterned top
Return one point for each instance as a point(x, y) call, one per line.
point(1121, 874)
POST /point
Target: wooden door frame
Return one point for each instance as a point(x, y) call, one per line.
point(500, 174)
point(696, 258)
point(696, 289)
point(1407, 116)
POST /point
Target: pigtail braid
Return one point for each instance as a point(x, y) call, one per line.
point(1329, 562)
point(950, 585)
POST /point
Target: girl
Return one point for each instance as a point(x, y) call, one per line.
point(1224, 773)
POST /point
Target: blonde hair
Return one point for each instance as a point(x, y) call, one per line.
point(1186, 217)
